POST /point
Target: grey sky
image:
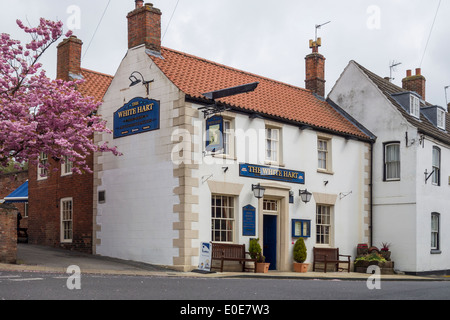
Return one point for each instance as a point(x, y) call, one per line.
point(269, 38)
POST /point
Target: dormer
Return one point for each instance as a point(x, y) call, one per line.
point(410, 101)
point(436, 115)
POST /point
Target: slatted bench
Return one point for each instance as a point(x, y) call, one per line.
point(231, 252)
point(330, 256)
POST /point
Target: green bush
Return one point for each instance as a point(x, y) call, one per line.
point(254, 249)
point(300, 251)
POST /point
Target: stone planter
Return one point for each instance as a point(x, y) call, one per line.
point(301, 267)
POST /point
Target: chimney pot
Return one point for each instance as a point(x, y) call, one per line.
point(144, 26)
point(139, 4)
point(415, 83)
point(69, 58)
point(315, 69)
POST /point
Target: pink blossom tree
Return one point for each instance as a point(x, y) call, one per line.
point(38, 114)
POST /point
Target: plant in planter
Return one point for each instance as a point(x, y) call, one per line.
point(255, 253)
point(300, 255)
point(384, 251)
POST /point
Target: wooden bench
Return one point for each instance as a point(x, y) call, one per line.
point(231, 252)
point(330, 256)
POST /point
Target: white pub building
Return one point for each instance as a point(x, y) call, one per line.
point(200, 140)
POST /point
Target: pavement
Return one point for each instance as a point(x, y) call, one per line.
point(34, 258)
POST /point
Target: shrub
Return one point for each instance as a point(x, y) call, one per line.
point(300, 251)
point(254, 249)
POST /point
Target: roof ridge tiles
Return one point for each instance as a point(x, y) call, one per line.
point(234, 69)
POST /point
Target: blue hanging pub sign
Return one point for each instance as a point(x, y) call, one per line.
point(137, 116)
point(214, 134)
point(271, 173)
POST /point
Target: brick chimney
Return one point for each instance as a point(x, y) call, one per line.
point(69, 58)
point(144, 26)
point(415, 83)
point(315, 69)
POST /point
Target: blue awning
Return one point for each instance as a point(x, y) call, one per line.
point(18, 195)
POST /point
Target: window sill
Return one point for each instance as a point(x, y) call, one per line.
point(325, 171)
point(274, 163)
point(435, 251)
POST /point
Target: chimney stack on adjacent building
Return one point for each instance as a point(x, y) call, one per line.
point(69, 59)
point(315, 69)
point(414, 83)
point(144, 26)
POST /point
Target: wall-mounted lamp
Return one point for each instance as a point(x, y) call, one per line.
point(258, 191)
point(305, 195)
point(134, 80)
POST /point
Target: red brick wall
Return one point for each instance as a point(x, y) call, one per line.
point(45, 208)
point(10, 182)
point(69, 58)
point(8, 236)
point(315, 73)
point(144, 27)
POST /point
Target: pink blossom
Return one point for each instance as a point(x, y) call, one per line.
point(39, 114)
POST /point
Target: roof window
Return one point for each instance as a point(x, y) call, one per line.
point(436, 115)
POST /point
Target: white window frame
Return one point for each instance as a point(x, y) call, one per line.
point(436, 164)
point(66, 220)
point(223, 218)
point(66, 167)
point(414, 106)
point(272, 145)
point(324, 154)
point(388, 162)
point(324, 225)
point(42, 172)
point(435, 226)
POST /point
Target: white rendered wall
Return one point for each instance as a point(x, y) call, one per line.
point(137, 218)
point(402, 209)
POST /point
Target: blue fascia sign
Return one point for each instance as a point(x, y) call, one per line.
point(271, 173)
point(137, 116)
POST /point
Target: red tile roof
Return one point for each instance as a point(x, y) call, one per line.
point(95, 84)
point(195, 76)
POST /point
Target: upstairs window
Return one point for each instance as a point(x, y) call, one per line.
point(66, 166)
point(392, 161)
point(414, 106)
point(272, 145)
point(42, 170)
point(436, 178)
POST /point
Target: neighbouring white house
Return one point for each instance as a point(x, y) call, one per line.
point(194, 153)
point(411, 175)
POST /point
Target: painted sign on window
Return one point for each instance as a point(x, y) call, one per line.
point(137, 116)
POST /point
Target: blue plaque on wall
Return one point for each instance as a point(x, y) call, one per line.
point(214, 134)
point(248, 220)
point(137, 116)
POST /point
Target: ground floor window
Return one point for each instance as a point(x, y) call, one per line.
point(435, 231)
point(222, 215)
point(323, 224)
point(66, 220)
